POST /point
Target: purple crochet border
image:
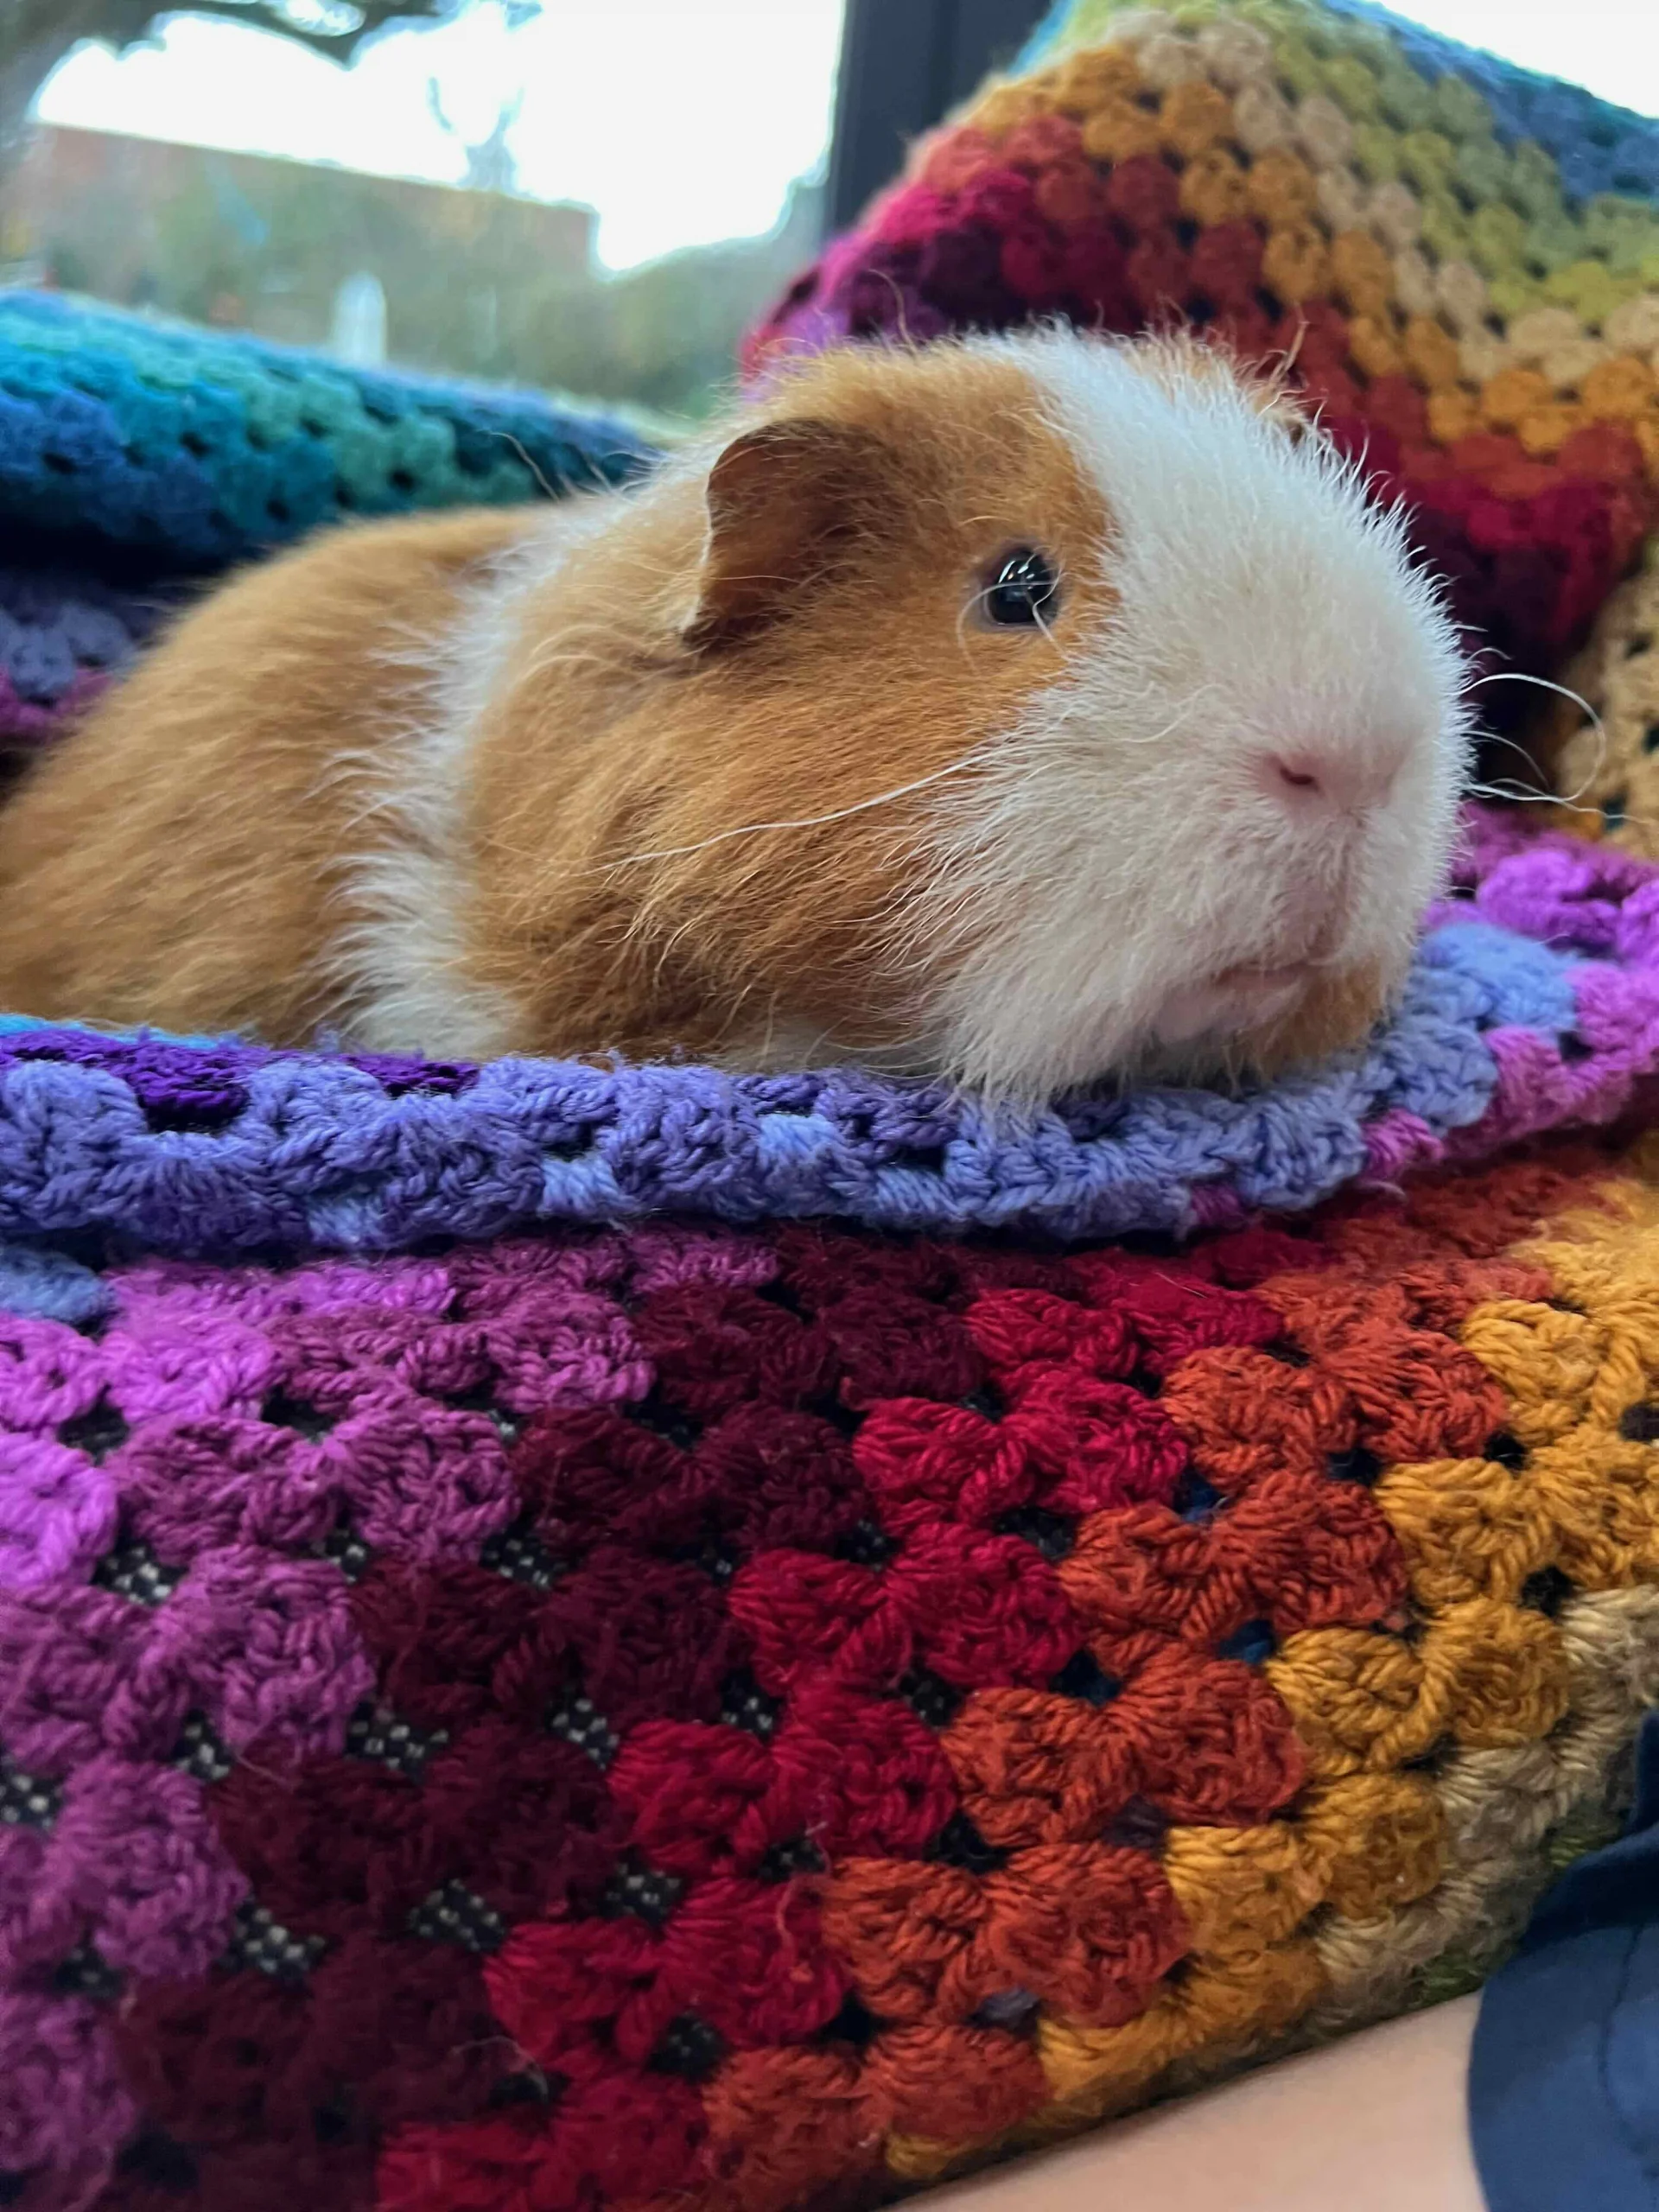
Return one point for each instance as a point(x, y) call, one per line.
point(1534, 1006)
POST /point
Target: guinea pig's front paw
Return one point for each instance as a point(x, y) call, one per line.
point(1232, 1004)
point(1267, 1020)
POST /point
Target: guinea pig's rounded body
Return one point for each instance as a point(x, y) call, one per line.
point(1021, 712)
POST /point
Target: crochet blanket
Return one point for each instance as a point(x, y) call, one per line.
point(513, 1695)
point(1459, 260)
point(608, 1714)
point(584, 1640)
point(204, 447)
point(63, 634)
point(134, 454)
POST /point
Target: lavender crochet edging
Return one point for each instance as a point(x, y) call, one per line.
point(1534, 1005)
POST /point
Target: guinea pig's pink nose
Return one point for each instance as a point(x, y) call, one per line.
point(1324, 779)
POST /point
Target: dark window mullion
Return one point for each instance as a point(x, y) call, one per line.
point(903, 64)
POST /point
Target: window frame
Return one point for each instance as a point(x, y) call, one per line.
point(904, 65)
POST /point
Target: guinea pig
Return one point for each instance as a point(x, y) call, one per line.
point(1018, 712)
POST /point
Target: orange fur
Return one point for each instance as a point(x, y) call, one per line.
point(186, 857)
point(730, 765)
point(869, 680)
point(174, 861)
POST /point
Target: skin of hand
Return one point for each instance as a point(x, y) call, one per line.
point(1374, 2123)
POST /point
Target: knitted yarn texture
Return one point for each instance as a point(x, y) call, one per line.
point(198, 448)
point(721, 1716)
point(63, 635)
point(1460, 262)
point(1534, 1005)
point(1606, 763)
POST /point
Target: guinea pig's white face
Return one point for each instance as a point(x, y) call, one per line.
point(1206, 841)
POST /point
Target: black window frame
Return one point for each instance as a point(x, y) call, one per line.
point(904, 65)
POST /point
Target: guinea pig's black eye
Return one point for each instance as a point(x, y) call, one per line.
point(1022, 589)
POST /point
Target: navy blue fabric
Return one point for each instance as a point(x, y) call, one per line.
point(1564, 2075)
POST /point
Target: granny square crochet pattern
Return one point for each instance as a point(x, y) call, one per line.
point(744, 1718)
point(137, 455)
point(529, 1680)
point(200, 448)
point(1460, 260)
point(630, 1639)
point(1605, 763)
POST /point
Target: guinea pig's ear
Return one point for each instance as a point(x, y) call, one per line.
point(779, 498)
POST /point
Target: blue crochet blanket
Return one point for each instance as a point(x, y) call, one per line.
point(195, 448)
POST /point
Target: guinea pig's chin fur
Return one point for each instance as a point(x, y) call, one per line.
point(1074, 944)
point(1201, 1033)
point(1230, 1032)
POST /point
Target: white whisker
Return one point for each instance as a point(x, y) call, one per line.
point(1543, 683)
point(797, 822)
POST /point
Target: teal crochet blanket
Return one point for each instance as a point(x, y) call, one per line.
point(197, 448)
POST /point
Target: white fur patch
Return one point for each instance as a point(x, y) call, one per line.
point(1117, 849)
point(400, 962)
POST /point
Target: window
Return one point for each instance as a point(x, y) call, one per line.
point(591, 196)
